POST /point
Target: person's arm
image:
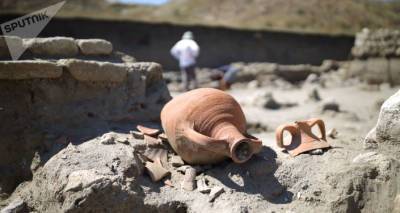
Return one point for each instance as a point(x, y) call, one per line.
point(175, 51)
point(196, 49)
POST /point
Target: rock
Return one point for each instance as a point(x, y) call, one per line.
point(137, 134)
point(95, 71)
point(152, 72)
point(94, 46)
point(189, 182)
point(202, 186)
point(356, 69)
point(16, 206)
point(316, 152)
point(216, 191)
point(265, 100)
point(328, 65)
point(53, 46)
point(21, 70)
point(253, 84)
point(10, 42)
point(311, 79)
point(332, 133)
point(177, 161)
point(377, 71)
point(330, 105)
point(94, 177)
point(182, 169)
point(365, 157)
point(396, 204)
point(313, 95)
point(294, 73)
point(370, 140)
point(388, 125)
point(108, 138)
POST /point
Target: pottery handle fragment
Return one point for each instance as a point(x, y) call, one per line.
point(205, 142)
point(292, 129)
point(321, 126)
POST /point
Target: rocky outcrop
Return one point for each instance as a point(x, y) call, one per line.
point(387, 129)
point(89, 177)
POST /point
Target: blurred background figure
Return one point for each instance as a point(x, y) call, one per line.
point(186, 51)
point(226, 75)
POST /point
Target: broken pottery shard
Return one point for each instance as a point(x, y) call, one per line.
point(333, 133)
point(216, 191)
point(163, 137)
point(150, 141)
point(207, 143)
point(202, 186)
point(188, 182)
point(303, 139)
point(168, 183)
point(177, 161)
point(137, 135)
point(156, 171)
point(157, 155)
point(148, 131)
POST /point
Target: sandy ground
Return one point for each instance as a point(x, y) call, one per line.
point(273, 181)
point(345, 178)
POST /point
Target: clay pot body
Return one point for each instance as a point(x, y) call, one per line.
point(205, 126)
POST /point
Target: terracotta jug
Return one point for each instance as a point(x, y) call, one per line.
point(205, 126)
point(303, 139)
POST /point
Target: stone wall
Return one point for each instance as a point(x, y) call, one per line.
point(219, 45)
point(376, 57)
point(43, 100)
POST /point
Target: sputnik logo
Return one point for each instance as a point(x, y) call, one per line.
point(28, 26)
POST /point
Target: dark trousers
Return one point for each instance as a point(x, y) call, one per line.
point(188, 75)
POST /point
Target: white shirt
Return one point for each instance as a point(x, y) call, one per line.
point(186, 51)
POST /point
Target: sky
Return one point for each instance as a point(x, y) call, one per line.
point(152, 2)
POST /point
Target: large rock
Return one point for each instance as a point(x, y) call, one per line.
point(295, 73)
point(95, 71)
point(394, 65)
point(20, 70)
point(388, 125)
point(94, 46)
point(53, 46)
point(377, 71)
point(91, 177)
point(355, 68)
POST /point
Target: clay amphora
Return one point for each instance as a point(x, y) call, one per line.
point(303, 139)
point(205, 126)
